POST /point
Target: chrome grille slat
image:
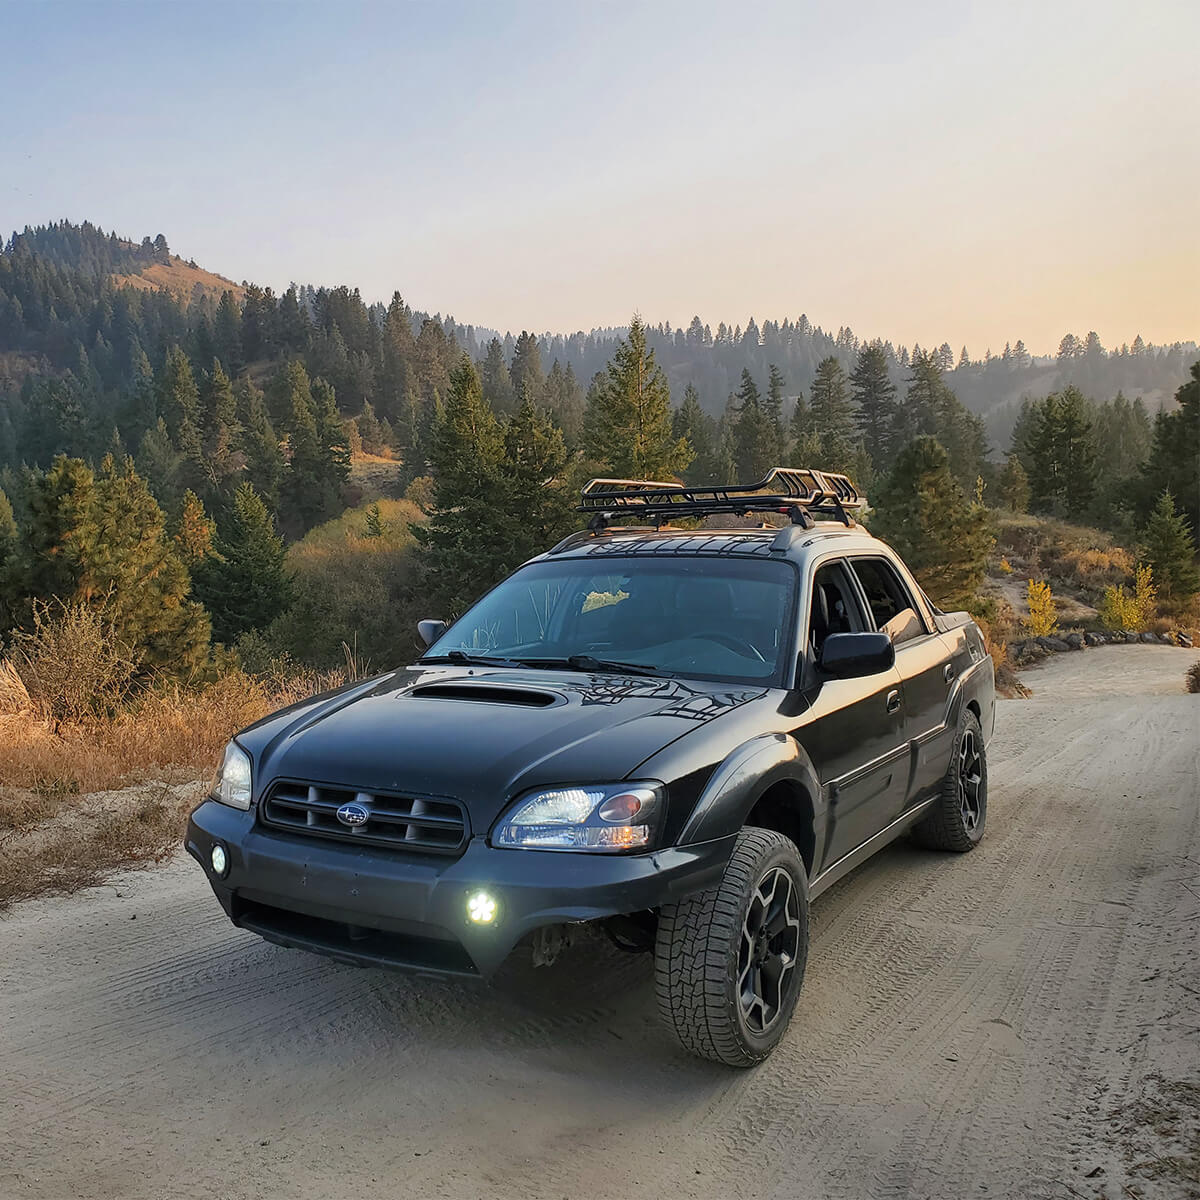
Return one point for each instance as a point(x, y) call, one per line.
point(416, 823)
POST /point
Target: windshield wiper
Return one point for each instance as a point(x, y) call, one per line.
point(465, 658)
point(585, 662)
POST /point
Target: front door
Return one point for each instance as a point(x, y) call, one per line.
point(922, 660)
point(854, 731)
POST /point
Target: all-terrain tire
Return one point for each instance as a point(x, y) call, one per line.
point(956, 820)
point(702, 940)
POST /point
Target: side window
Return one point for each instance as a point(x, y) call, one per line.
point(834, 607)
point(894, 610)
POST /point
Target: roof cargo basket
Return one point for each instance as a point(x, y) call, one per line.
point(795, 492)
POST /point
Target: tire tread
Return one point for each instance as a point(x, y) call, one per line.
point(692, 954)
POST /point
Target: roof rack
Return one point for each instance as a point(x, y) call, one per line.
point(796, 492)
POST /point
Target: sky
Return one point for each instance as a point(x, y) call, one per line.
point(929, 172)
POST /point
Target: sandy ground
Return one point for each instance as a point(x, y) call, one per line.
point(1021, 1021)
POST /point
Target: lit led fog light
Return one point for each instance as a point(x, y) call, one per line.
point(220, 860)
point(482, 908)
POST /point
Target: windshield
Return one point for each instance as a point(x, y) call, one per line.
point(703, 617)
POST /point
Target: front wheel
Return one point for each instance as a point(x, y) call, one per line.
point(729, 962)
point(956, 820)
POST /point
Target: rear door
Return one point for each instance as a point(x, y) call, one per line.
point(855, 734)
point(923, 663)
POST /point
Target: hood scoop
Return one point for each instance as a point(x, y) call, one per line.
point(486, 693)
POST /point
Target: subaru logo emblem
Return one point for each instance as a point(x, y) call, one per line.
point(353, 814)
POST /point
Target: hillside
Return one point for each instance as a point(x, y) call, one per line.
point(182, 279)
point(40, 315)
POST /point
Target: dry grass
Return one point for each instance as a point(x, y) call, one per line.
point(997, 633)
point(115, 832)
point(175, 731)
point(181, 279)
point(1075, 558)
point(82, 798)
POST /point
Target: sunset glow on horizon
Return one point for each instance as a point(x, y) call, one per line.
point(949, 174)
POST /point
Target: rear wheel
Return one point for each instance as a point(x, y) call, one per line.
point(729, 962)
point(956, 820)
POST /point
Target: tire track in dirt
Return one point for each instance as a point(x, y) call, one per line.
point(968, 1022)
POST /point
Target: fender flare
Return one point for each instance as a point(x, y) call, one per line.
point(738, 783)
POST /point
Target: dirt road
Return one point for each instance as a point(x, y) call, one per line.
point(1022, 1021)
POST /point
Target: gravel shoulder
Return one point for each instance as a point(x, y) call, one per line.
point(1022, 1021)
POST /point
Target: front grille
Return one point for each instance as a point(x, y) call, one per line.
point(400, 822)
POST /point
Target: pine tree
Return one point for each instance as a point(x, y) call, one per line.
point(923, 514)
point(295, 329)
point(376, 526)
point(627, 424)
point(370, 431)
point(495, 379)
point(755, 439)
point(1061, 448)
point(319, 458)
point(564, 399)
point(1175, 453)
point(161, 465)
point(693, 425)
point(331, 433)
point(1168, 547)
point(260, 445)
point(534, 509)
point(305, 493)
point(875, 396)
point(774, 406)
point(139, 410)
point(219, 435)
point(528, 379)
point(101, 540)
point(177, 394)
point(805, 448)
point(227, 333)
point(1014, 485)
point(931, 409)
point(461, 555)
point(244, 582)
point(194, 538)
point(832, 416)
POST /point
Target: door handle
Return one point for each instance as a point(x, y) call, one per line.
point(893, 702)
point(948, 673)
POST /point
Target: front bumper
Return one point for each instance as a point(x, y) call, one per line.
point(380, 908)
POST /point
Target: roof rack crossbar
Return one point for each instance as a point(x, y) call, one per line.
point(795, 492)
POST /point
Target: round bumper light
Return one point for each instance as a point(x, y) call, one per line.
point(482, 908)
point(220, 860)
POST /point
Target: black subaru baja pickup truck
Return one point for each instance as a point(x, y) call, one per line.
point(682, 735)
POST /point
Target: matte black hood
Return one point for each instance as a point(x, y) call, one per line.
point(482, 735)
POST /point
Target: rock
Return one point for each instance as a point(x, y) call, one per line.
point(1168, 639)
point(1053, 643)
point(1075, 641)
point(1149, 638)
point(1130, 638)
point(1185, 640)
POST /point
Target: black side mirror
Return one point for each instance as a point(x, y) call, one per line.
point(853, 655)
point(430, 630)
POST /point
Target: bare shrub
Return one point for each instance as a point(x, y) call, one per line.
point(1070, 557)
point(14, 695)
point(72, 665)
point(996, 635)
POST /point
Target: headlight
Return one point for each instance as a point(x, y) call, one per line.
point(231, 783)
point(604, 818)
